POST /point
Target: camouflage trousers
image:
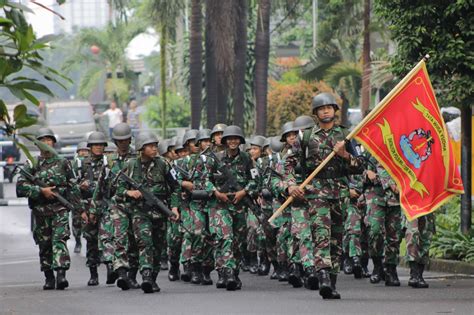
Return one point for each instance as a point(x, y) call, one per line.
point(51, 234)
point(266, 236)
point(355, 241)
point(76, 224)
point(302, 246)
point(418, 235)
point(195, 247)
point(91, 234)
point(125, 252)
point(174, 239)
point(283, 240)
point(252, 225)
point(384, 224)
point(106, 236)
point(327, 229)
point(158, 234)
point(229, 229)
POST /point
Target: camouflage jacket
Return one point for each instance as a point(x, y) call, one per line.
point(95, 171)
point(240, 167)
point(156, 177)
point(332, 181)
point(379, 190)
point(52, 171)
point(117, 163)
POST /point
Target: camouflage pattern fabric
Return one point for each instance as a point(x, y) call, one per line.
point(418, 235)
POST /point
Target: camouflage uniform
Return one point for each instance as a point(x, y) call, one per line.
point(76, 215)
point(51, 230)
point(418, 235)
point(228, 221)
point(148, 227)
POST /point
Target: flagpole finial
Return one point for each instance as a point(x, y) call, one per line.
point(426, 57)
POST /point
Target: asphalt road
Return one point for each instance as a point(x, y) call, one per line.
point(21, 289)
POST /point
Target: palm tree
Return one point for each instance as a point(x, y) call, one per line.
point(366, 89)
point(262, 51)
point(195, 52)
point(211, 72)
point(238, 94)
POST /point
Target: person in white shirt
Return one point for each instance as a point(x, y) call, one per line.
point(114, 115)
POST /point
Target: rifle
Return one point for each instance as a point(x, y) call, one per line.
point(266, 191)
point(36, 181)
point(151, 201)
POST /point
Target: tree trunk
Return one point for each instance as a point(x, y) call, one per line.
point(466, 168)
point(262, 51)
point(222, 98)
point(211, 73)
point(195, 52)
point(366, 89)
point(240, 61)
point(163, 41)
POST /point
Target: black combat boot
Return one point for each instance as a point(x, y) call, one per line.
point(164, 264)
point(253, 263)
point(111, 274)
point(311, 281)
point(377, 273)
point(196, 273)
point(154, 285)
point(237, 279)
point(245, 264)
point(325, 289)
point(230, 281)
point(147, 281)
point(334, 295)
point(356, 267)
point(61, 281)
point(173, 273)
point(283, 276)
point(347, 265)
point(422, 284)
point(132, 279)
point(78, 247)
point(186, 275)
point(295, 275)
point(276, 271)
point(416, 276)
point(264, 267)
point(206, 275)
point(94, 280)
point(50, 281)
point(364, 261)
point(123, 282)
point(220, 283)
point(391, 276)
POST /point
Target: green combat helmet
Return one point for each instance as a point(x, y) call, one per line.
point(82, 146)
point(143, 139)
point(324, 99)
point(46, 132)
point(287, 128)
point(304, 122)
point(203, 134)
point(218, 128)
point(121, 131)
point(258, 141)
point(110, 148)
point(96, 137)
point(190, 135)
point(233, 131)
point(275, 144)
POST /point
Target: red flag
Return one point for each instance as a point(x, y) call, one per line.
point(407, 135)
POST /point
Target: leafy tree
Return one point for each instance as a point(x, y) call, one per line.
point(179, 113)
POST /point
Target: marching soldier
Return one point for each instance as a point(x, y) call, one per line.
point(216, 137)
point(51, 230)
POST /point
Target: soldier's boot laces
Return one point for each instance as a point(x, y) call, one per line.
point(253, 263)
point(61, 281)
point(311, 281)
point(347, 266)
point(230, 281)
point(365, 267)
point(154, 285)
point(111, 274)
point(391, 276)
point(196, 273)
point(283, 276)
point(94, 280)
point(276, 271)
point(132, 279)
point(173, 273)
point(78, 246)
point(334, 295)
point(50, 281)
point(123, 282)
point(295, 275)
point(356, 267)
point(237, 279)
point(206, 275)
point(186, 275)
point(147, 281)
point(325, 289)
point(264, 267)
point(377, 273)
point(220, 283)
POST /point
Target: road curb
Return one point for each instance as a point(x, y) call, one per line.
point(13, 202)
point(447, 266)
